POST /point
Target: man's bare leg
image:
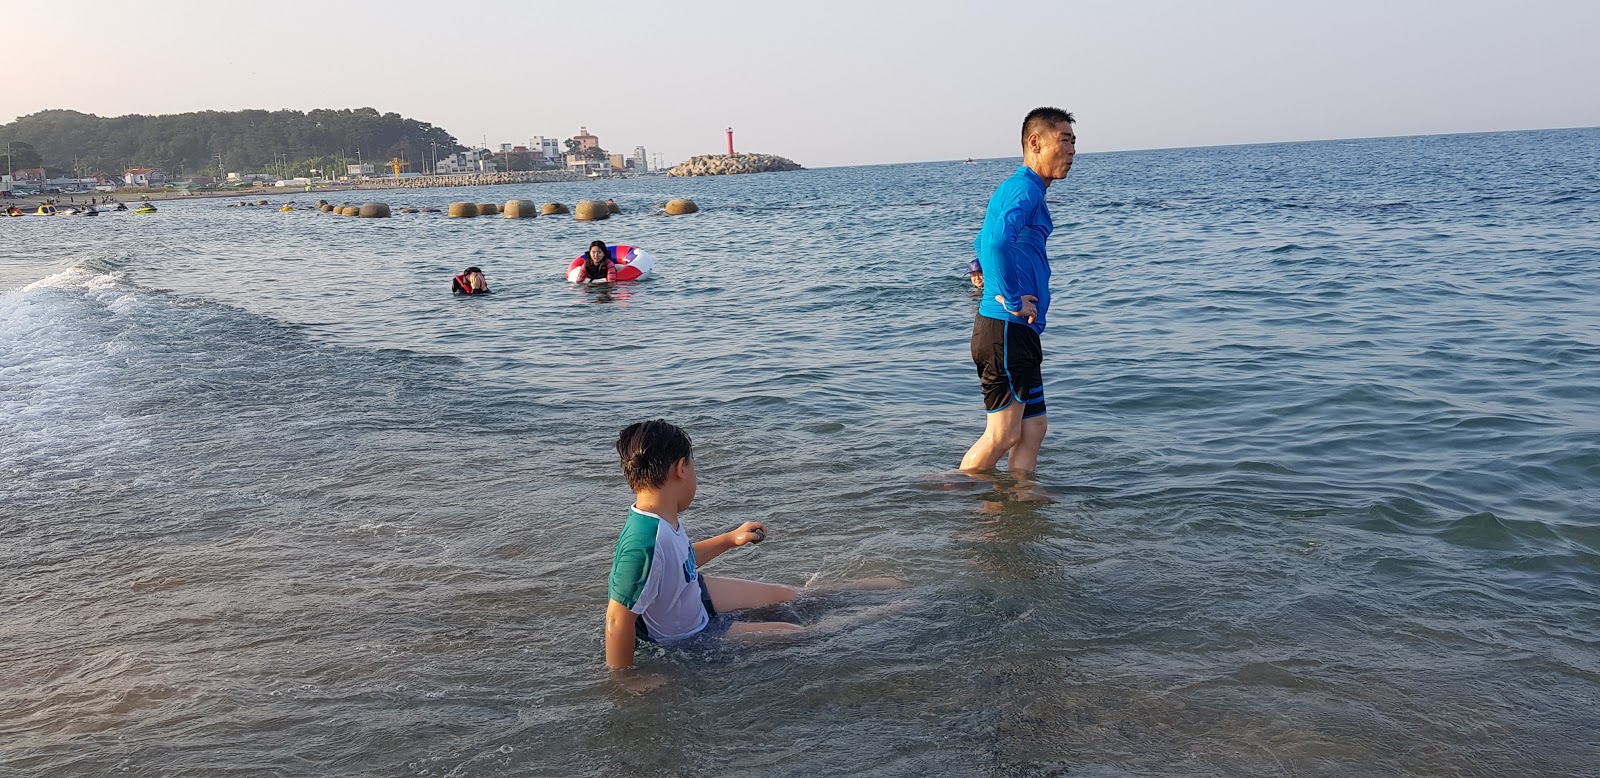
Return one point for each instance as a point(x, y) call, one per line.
point(1025, 455)
point(1002, 433)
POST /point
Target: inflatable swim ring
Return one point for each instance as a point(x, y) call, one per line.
point(632, 263)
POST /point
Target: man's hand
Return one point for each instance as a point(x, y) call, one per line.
point(1029, 310)
point(749, 532)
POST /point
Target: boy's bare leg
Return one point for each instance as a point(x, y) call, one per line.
point(762, 631)
point(865, 584)
point(737, 594)
point(1002, 432)
point(1025, 455)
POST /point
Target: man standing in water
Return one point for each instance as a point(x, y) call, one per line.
point(1016, 295)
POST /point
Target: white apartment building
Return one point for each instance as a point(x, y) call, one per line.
point(470, 161)
point(549, 148)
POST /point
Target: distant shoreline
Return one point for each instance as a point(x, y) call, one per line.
point(257, 192)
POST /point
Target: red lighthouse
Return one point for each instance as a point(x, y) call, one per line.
point(730, 141)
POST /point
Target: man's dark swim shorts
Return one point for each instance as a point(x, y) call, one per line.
point(1008, 357)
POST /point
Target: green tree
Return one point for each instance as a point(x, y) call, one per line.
point(248, 141)
point(23, 156)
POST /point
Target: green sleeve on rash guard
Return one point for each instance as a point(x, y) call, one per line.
point(630, 562)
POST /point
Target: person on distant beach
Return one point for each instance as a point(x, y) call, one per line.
point(656, 592)
point(1016, 296)
point(470, 281)
point(597, 265)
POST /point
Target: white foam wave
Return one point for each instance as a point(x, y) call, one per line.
point(75, 277)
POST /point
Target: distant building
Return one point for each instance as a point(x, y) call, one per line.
point(578, 164)
point(143, 176)
point(641, 163)
point(5, 185)
point(585, 140)
point(360, 171)
point(469, 161)
point(549, 149)
point(33, 175)
point(618, 163)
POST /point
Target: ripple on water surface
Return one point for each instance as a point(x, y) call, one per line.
point(1318, 495)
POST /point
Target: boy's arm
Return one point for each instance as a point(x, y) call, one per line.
point(712, 547)
point(620, 636)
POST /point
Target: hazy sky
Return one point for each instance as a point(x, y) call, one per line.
point(830, 83)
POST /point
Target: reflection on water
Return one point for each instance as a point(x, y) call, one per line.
point(1317, 496)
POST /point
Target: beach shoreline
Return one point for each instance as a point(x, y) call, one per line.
point(258, 192)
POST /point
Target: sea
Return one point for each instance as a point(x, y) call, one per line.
point(1320, 493)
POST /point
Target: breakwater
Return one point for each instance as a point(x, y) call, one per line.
point(724, 165)
point(473, 179)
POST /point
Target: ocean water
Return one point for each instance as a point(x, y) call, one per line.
point(1321, 492)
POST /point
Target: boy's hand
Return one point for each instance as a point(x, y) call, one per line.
point(749, 532)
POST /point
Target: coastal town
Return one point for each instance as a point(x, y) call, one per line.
point(541, 158)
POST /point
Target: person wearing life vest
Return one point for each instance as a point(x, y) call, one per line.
point(470, 281)
point(597, 265)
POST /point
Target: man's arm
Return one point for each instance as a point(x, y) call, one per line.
point(712, 547)
point(996, 246)
point(620, 636)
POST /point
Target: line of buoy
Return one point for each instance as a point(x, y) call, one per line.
point(587, 210)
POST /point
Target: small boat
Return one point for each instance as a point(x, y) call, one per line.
point(969, 162)
point(45, 209)
point(15, 211)
point(85, 211)
point(145, 209)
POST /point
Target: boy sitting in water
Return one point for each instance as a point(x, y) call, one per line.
point(657, 593)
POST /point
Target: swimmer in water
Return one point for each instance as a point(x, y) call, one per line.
point(470, 281)
point(597, 265)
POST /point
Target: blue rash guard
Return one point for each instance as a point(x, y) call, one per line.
point(1011, 248)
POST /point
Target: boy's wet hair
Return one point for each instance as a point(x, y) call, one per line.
point(648, 451)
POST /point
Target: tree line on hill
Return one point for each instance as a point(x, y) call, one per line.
point(288, 143)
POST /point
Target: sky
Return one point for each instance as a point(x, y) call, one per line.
point(830, 83)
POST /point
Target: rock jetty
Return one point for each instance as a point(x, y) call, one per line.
point(474, 179)
point(724, 165)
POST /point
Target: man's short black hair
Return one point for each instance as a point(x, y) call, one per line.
point(648, 451)
point(1042, 119)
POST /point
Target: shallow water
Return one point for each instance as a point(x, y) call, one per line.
point(1321, 480)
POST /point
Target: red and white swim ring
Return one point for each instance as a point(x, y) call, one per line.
point(632, 263)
